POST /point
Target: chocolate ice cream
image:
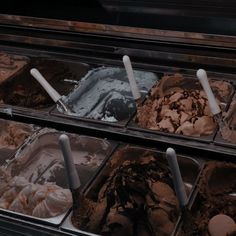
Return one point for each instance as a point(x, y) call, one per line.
point(11, 65)
point(12, 136)
point(24, 91)
point(228, 132)
point(216, 197)
point(137, 199)
point(179, 105)
point(43, 201)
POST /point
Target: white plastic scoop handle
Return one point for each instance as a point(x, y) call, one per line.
point(132, 81)
point(49, 89)
point(73, 177)
point(202, 76)
point(177, 178)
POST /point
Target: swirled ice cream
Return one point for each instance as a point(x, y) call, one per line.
point(43, 201)
point(137, 199)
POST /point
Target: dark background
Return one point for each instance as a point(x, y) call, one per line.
point(217, 17)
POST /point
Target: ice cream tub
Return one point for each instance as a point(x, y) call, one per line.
point(23, 92)
point(178, 107)
point(104, 96)
point(37, 173)
point(213, 210)
point(11, 65)
point(130, 193)
point(227, 135)
point(12, 136)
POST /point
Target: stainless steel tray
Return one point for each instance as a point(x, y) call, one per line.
point(218, 183)
point(100, 91)
point(23, 92)
point(190, 169)
point(40, 160)
point(189, 82)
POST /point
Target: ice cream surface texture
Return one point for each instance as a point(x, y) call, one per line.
point(13, 134)
point(216, 202)
point(137, 199)
point(176, 106)
point(105, 94)
point(43, 201)
point(41, 161)
point(25, 91)
point(228, 132)
point(10, 65)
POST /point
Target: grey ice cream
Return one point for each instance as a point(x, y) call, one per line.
point(105, 94)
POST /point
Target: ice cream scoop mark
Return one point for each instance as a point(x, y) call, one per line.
point(104, 98)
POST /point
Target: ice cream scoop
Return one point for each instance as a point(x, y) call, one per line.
point(221, 225)
point(73, 178)
point(215, 109)
point(130, 74)
point(177, 179)
point(56, 97)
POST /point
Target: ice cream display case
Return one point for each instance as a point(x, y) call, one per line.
point(124, 80)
